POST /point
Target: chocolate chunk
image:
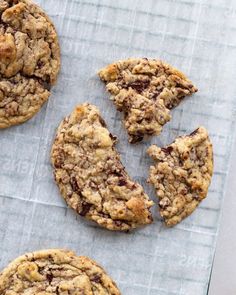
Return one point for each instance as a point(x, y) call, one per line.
point(48, 79)
point(57, 164)
point(96, 278)
point(93, 184)
point(73, 183)
point(69, 195)
point(103, 123)
point(174, 102)
point(139, 85)
point(167, 150)
point(122, 182)
point(40, 64)
point(46, 85)
point(117, 171)
point(162, 206)
point(85, 208)
point(59, 160)
point(155, 94)
point(137, 138)
point(118, 222)
point(46, 82)
point(184, 191)
point(49, 277)
point(114, 138)
point(140, 120)
point(194, 132)
point(134, 186)
point(195, 197)
point(40, 269)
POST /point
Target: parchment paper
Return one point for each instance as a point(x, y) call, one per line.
point(198, 37)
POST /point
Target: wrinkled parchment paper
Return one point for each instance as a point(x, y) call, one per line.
point(198, 37)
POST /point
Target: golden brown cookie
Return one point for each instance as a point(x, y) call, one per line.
point(182, 174)
point(58, 272)
point(145, 90)
point(29, 60)
point(90, 175)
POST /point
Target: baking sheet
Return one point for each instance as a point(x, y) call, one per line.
point(198, 37)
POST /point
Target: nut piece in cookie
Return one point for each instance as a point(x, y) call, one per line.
point(56, 271)
point(145, 91)
point(182, 174)
point(90, 175)
point(29, 60)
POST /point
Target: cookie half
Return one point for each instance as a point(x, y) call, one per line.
point(29, 60)
point(182, 174)
point(90, 175)
point(145, 90)
point(56, 271)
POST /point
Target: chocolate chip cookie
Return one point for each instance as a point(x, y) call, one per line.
point(182, 174)
point(58, 272)
point(90, 175)
point(29, 60)
point(145, 90)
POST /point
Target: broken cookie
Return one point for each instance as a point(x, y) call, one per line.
point(90, 175)
point(58, 272)
point(29, 60)
point(182, 174)
point(145, 90)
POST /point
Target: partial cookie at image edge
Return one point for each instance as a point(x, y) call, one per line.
point(29, 61)
point(46, 272)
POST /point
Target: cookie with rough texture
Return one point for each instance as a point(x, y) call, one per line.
point(145, 90)
point(57, 272)
point(29, 60)
point(182, 174)
point(90, 175)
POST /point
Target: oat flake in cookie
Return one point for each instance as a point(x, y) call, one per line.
point(29, 60)
point(145, 91)
point(90, 175)
point(57, 272)
point(182, 174)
